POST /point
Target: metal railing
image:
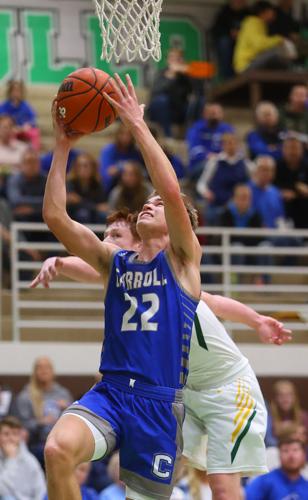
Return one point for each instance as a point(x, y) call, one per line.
point(285, 275)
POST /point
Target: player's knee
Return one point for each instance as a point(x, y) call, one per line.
point(58, 453)
point(220, 492)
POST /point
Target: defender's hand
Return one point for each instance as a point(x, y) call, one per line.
point(271, 331)
point(49, 271)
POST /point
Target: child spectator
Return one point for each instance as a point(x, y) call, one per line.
point(40, 404)
point(220, 176)
point(285, 482)
point(294, 116)
point(25, 189)
point(204, 137)
point(115, 491)
point(22, 113)
point(46, 160)
point(11, 150)
point(6, 395)
point(132, 190)
point(21, 476)
point(86, 198)
point(267, 200)
point(225, 31)
point(82, 472)
point(240, 213)
point(113, 155)
point(266, 138)
point(170, 93)
point(292, 181)
point(285, 409)
point(255, 48)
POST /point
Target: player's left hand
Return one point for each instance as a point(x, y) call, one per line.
point(126, 105)
point(272, 331)
point(62, 135)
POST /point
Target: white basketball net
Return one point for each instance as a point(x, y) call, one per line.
point(130, 29)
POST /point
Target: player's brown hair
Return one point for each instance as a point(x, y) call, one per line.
point(125, 215)
point(11, 422)
point(192, 212)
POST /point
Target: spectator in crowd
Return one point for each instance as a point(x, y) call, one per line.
point(11, 150)
point(25, 189)
point(292, 181)
point(5, 222)
point(204, 137)
point(224, 33)
point(240, 213)
point(116, 491)
point(266, 138)
point(284, 409)
point(175, 160)
point(285, 482)
point(255, 48)
point(170, 93)
point(86, 198)
point(21, 476)
point(293, 431)
point(132, 190)
point(46, 159)
point(22, 113)
point(267, 200)
point(220, 176)
point(6, 400)
point(40, 404)
point(284, 23)
point(114, 154)
point(82, 472)
point(294, 116)
point(98, 478)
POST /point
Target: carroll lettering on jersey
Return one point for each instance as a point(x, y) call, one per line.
point(138, 279)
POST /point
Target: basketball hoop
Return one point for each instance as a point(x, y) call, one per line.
point(130, 29)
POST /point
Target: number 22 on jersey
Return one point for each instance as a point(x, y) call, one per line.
point(128, 323)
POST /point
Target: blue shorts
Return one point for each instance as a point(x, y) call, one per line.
point(145, 423)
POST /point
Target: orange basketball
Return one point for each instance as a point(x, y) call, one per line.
point(81, 106)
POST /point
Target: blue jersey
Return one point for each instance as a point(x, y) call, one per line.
point(148, 322)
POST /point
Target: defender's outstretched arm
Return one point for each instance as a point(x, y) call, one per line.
point(269, 329)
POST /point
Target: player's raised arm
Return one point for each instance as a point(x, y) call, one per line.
point(270, 330)
point(70, 267)
point(76, 238)
point(183, 241)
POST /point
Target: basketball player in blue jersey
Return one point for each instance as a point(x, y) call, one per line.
point(151, 298)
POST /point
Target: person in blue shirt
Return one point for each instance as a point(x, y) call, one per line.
point(22, 113)
point(82, 472)
point(113, 156)
point(266, 138)
point(220, 176)
point(267, 199)
point(46, 159)
point(116, 490)
point(285, 483)
point(204, 137)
